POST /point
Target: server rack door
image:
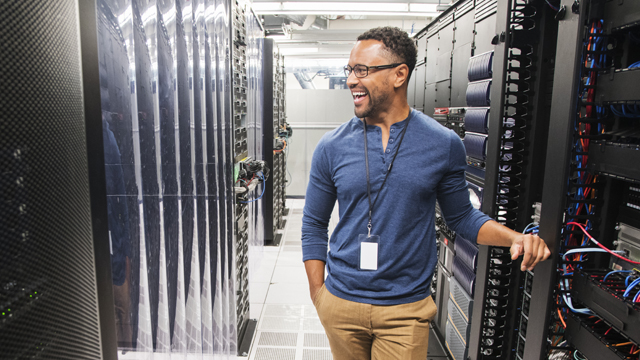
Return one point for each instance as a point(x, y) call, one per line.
point(47, 255)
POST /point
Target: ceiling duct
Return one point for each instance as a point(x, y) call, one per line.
point(274, 24)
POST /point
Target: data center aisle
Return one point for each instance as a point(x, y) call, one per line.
point(288, 325)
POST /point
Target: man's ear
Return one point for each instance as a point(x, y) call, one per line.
point(402, 74)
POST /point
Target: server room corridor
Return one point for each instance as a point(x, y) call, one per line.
point(288, 325)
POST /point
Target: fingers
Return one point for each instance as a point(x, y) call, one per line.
point(516, 250)
point(535, 250)
point(528, 254)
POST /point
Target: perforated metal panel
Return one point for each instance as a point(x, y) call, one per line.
point(313, 354)
point(48, 300)
point(278, 339)
point(275, 354)
point(454, 343)
point(461, 298)
point(316, 340)
point(458, 320)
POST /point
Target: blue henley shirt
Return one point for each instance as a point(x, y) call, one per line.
point(430, 165)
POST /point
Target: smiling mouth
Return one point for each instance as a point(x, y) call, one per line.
point(358, 97)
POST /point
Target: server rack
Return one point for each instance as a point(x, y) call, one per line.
point(518, 122)
point(240, 152)
point(52, 234)
point(276, 133)
point(584, 184)
point(500, 108)
point(450, 44)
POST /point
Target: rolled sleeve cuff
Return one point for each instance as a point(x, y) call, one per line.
point(314, 252)
point(474, 229)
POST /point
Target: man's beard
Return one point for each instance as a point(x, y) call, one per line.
point(373, 107)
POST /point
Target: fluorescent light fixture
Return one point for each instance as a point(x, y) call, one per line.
point(342, 8)
point(419, 7)
point(339, 13)
point(297, 50)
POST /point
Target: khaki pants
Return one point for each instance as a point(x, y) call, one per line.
point(359, 331)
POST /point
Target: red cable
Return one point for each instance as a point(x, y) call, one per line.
point(600, 245)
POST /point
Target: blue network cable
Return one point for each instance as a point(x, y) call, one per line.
point(613, 272)
point(261, 195)
point(631, 286)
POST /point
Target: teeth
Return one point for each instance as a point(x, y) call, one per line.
point(359, 94)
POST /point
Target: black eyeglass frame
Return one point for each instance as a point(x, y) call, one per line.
point(348, 69)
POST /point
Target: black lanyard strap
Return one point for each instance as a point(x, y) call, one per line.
point(366, 159)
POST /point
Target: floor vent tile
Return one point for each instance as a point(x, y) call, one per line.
point(316, 340)
point(313, 354)
point(263, 353)
point(278, 339)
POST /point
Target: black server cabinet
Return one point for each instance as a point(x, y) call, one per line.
point(269, 135)
point(590, 180)
point(518, 123)
point(275, 138)
point(51, 290)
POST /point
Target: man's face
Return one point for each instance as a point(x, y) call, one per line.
point(371, 94)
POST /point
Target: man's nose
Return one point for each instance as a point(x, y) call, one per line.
point(352, 80)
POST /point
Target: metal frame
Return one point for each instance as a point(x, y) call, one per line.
point(491, 177)
point(267, 137)
point(570, 39)
point(97, 180)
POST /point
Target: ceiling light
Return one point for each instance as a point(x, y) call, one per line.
point(344, 8)
point(419, 7)
point(297, 50)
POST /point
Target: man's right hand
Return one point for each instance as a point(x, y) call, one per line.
point(315, 274)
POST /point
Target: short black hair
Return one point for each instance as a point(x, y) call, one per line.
point(398, 43)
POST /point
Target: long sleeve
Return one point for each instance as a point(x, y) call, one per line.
point(453, 195)
point(319, 203)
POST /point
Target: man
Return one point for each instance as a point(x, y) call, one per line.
point(376, 303)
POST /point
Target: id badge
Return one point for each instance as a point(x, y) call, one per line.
point(368, 251)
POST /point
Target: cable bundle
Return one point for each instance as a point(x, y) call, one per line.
point(465, 276)
point(477, 120)
point(466, 251)
point(583, 186)
point(480, 67)
point(479, 93)
point(476, 145)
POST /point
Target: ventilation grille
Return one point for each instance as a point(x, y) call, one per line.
point(456, 346)
point(275, 354)
point(316, 340)
point(47, 281)
point(278, 339)
point(458, 320)
point(461, 298)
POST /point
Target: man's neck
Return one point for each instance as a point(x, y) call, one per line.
point(387, 118)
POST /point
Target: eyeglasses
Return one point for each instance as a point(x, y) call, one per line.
point(362, 71)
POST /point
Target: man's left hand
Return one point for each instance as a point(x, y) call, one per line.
point(532, 247)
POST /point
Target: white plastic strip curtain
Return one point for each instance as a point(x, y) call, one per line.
point(165, 75)
point(255, 101)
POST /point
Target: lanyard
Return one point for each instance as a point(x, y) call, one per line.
point(366, 159)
